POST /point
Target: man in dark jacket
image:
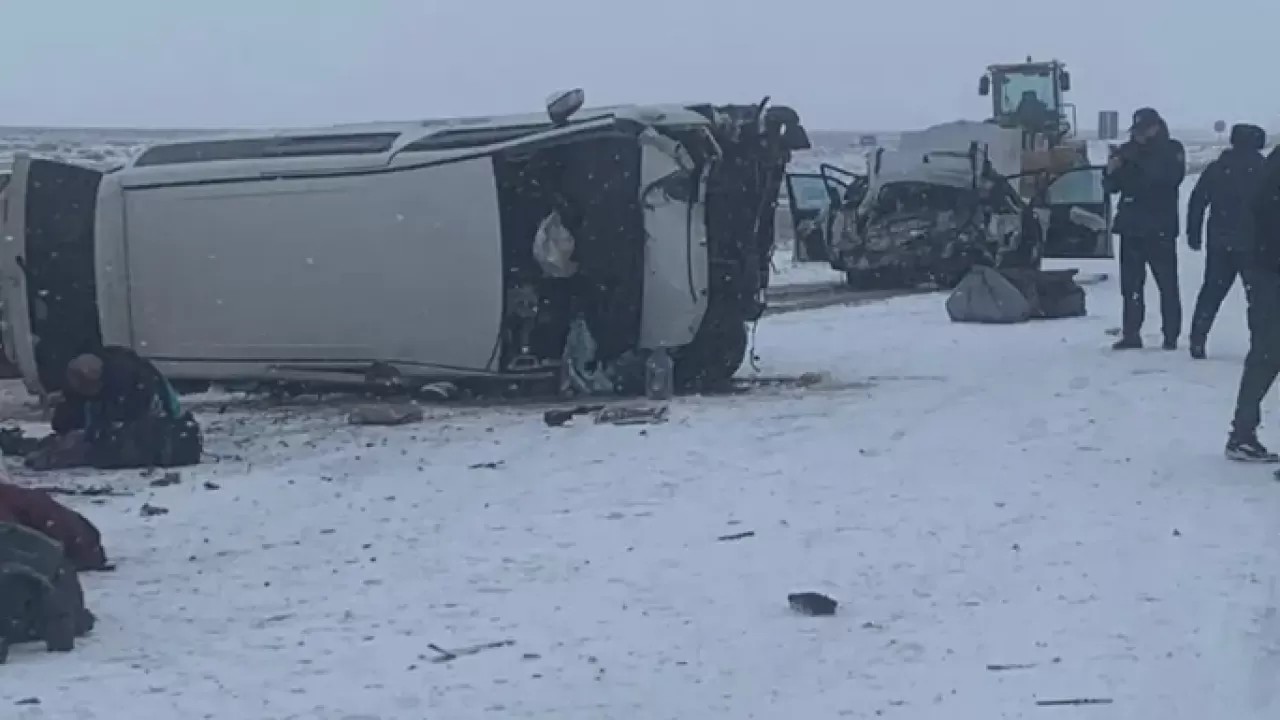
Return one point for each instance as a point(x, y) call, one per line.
point(1262, 364)
point(1226, 188)
point(125, 413)
point(1147, 171)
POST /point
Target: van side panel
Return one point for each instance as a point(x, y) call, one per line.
point(398, 267)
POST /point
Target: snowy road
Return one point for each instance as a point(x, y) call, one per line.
point(973, 496)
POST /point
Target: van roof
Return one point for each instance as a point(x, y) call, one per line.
point(381, 137)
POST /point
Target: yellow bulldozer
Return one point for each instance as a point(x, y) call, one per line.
point(1030, 96)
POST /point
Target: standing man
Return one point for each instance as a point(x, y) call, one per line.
point(1262, 364)
point(1147, 171)
point(1226, 188)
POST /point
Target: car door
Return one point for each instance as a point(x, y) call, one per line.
point(812, 200)
point(48, 302)
point(1080, 215)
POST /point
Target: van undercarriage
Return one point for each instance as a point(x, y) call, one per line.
point(596, 190)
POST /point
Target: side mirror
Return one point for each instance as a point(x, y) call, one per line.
point(562, 105)
point(1064, 81)
point(984, 86)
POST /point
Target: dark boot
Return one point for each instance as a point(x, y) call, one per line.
point(1128, 343)
point(1246, 448)
point(1170, 343)
point(1197, 349)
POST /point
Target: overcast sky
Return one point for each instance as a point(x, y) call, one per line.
point(858, 64)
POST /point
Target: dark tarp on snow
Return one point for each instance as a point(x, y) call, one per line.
point(985, 296)
point(1051, 293)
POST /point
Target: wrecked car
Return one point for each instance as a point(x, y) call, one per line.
point(927, 217)
point(494, 249)
point(930, 217)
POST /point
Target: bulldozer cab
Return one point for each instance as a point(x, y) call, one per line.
point(1029, 96)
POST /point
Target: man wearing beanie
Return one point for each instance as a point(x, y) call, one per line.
point(1226, 189)
point(1147, 171)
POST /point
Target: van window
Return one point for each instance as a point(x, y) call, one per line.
point(248, 149)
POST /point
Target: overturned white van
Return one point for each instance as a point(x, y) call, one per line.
point(337, 254)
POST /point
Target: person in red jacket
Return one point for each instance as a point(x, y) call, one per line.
point(37, 510)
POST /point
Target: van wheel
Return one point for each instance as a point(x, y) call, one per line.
point(713, 357)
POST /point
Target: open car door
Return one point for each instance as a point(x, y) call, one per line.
point(814, 199)
point(48, 295)
point(1080, 215)
point(810, 203)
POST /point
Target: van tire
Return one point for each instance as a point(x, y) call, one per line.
point(713, 358)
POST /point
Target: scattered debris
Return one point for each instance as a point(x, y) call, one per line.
point(737, 536)
point(273, 620)
point(561, 416)
point(149, 510)
point(210, 485)
point(1011, 666)
point(486, 465)
point(633, 415)
point(1074, 701)
point(451, 655)
point(169, 478)
point(438, 391)
point(401, 414)
point(812, 603)
point(810, 379)
point(83, 490)
point(28, 701)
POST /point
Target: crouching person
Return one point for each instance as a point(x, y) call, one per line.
point(118, 411)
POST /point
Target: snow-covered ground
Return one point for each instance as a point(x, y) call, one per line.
point(975, 497)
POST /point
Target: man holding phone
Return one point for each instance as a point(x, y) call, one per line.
point(1146, 171)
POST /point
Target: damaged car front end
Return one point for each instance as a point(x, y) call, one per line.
point(931, 217)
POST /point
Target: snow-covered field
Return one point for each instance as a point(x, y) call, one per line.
point(1006, 514)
